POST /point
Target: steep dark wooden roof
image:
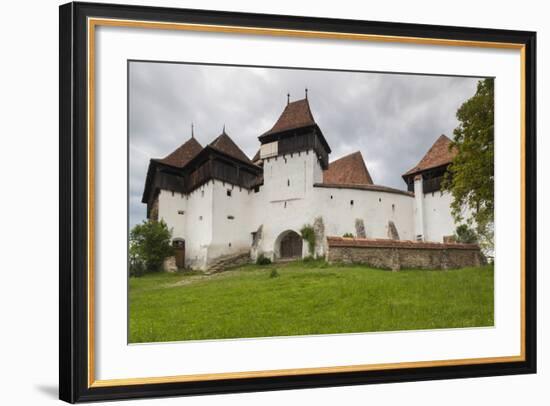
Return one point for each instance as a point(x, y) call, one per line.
point(295, 115)
point(439, 154)
point(183, 154)
point(348, 170)
point(223, 143)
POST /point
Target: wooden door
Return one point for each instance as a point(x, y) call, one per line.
point(291, 246)
point(179, 252)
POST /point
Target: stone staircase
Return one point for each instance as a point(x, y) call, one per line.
point(228, 261)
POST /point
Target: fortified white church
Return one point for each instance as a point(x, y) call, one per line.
point(222, 205)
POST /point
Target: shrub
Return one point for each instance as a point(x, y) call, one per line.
point(263, 260)
point(274, 274)
point(136, 267)
point(309, 258)
point(308, 234)
point(150, 244)
point(348, 235)
point(465, 235)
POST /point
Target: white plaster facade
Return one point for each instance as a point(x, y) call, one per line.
point(218, 219)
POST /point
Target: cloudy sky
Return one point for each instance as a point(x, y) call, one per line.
point(392, 119)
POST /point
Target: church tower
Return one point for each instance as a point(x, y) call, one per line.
point(294, 153)
point(295, 131)
point(432, 212)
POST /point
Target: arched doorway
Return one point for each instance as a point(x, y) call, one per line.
point(289, 245)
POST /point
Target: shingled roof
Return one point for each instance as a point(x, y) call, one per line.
point(296, 114)
point(348, 170)
point(183, 154)
point(226, 145)
point(439, 154)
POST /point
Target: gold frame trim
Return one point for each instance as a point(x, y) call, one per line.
point(94, 22)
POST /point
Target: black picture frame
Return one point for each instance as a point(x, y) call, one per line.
point(73, 255)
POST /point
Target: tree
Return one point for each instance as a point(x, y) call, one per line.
point(465, 234)
point(150, 242)
point(470, 178)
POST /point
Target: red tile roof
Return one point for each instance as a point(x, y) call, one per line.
point(295, 115)
point(226, 145)
point(183, 154)
point(348, 170)
point(387, 243)
point(438, 155)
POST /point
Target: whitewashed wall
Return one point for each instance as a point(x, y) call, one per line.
point(198, 224)
point(375, 208)
point(231, 235)
point(438, 221)
point(170, 204)
point(194, 226)
point(289, 207)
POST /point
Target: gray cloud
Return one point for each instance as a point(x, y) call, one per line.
point(391, 118)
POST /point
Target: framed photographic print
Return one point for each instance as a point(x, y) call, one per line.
point(257, 202)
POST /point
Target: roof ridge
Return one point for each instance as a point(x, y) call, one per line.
point(296, 114)
point(348, 155)
point(232, 149)
point(349, 169)
point(182, 154)
point(440, 153)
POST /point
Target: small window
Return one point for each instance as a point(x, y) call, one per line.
point(229, 192)
point(285, 205)
point(181, 212)
point(172, 193)
point(331, 197)
point(231, 217)
point(288, 182)
point(351, 202)
point(202, 193)
point(393, 207)
point(229, 245)
point(256, 189)
point(380, 199)
point(200, 217)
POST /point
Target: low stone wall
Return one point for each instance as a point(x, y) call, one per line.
point(394, 254)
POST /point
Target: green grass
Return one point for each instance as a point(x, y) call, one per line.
point(306, 298)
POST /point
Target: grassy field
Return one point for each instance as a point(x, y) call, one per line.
point(306, 298)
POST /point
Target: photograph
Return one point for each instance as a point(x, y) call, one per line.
point(270, 201)
point(253, 201)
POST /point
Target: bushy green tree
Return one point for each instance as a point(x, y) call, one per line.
point(465, 234)
point(150, 242)
point(471, 174)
